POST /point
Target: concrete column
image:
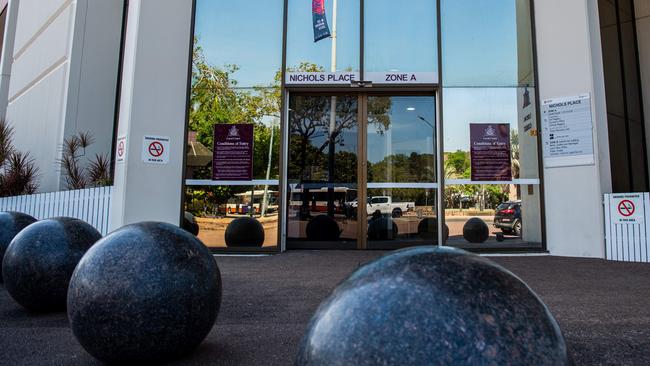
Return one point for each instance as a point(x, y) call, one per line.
point(570, 63)
point(153, 102)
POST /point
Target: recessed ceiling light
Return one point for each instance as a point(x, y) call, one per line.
point(410, 109)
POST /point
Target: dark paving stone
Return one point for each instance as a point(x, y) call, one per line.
point(602, 307)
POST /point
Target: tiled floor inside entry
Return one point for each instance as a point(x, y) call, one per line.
point(601, 306)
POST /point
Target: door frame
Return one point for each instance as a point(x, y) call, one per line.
point(362, 150)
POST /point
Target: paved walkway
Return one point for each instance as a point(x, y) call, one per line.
point(603, 309)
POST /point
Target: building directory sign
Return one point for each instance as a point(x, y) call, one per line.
point(567, 131)
point(233, 152)
point(490, 150)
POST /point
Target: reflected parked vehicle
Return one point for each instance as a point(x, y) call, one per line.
point(385, 206)
point(508, 218)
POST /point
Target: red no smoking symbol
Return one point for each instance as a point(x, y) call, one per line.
point(156, 149)
point(626, 208)
point(120, 149)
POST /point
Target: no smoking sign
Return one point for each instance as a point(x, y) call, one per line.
point(155, 149)
point(627, 208)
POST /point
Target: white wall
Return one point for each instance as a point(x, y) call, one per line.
point(62, 77)
point(153, 102)
point(570, 63)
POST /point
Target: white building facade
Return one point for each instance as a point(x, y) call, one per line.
point(130, 73)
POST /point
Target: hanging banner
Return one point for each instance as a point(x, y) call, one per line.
point(321, 29)
point(232, 157)
point(490, 151)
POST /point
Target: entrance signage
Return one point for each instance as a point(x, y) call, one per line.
point(321, 29)
point(627, 208)
point(347, 78)
point(490, 152)
point(155, 149)
point(397, 77)
point(120, 151)
point(233, 152)
point(567, 131)
point(322, 78)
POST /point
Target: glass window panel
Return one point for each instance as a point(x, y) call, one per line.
point(401, 38)
point(514, 106)
point(511, 212)
point(214, 207)
point(322, 171)
point(242, 38)
point(303, 54)
point(401, 217)
point(401, 139)
point(213, 103)
point(487, 43)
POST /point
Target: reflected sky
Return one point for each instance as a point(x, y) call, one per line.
point(479, 39)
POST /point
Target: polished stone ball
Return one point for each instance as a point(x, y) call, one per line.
point(11, 223)
point(476, 231)
point(190, 224)
point(40, 260)
point(323, 228)
point(433, 306)
point(146, 293)
point(383, 228)
point(428, 229)
point(245, 232)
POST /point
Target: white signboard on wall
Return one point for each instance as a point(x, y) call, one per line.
point(567, 131)
point(155, 149)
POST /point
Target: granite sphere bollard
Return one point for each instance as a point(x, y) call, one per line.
point(11, 223)
point(323, 228)
point(244, 232)
point(428, 229)
point(146, 293)
point(432, 306)
point(40, 260)
point(383, 228)
point(476, 231)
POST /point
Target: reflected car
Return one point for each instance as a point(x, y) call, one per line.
point(508, 218)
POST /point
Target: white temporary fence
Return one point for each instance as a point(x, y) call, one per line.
point(91, 205)
point(627, 225)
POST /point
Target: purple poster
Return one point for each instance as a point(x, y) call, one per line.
point(232, 157)
point(490, 151)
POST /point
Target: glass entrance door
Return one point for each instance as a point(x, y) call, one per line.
point(361, 171)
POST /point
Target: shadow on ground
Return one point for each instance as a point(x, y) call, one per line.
point(602, 307)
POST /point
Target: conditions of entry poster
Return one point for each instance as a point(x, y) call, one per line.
point(321, 29)
point(490, 152)
point(232, 157)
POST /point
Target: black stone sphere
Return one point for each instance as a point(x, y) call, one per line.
point(323, 228)
point(190, 224)
point(245, 232)
point(383, 228)
point(428, 229)
point(146, 293)
point(432, 306)
point(476, 231)
point(40, 260)
point(11, 223)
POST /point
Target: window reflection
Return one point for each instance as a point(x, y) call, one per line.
point(400, 38)
point(243, 38)
point(401, 139)
point(303, 54)
point(487, 43)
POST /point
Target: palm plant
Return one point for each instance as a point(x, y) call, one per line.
point(95, 173)
point(17, 170)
